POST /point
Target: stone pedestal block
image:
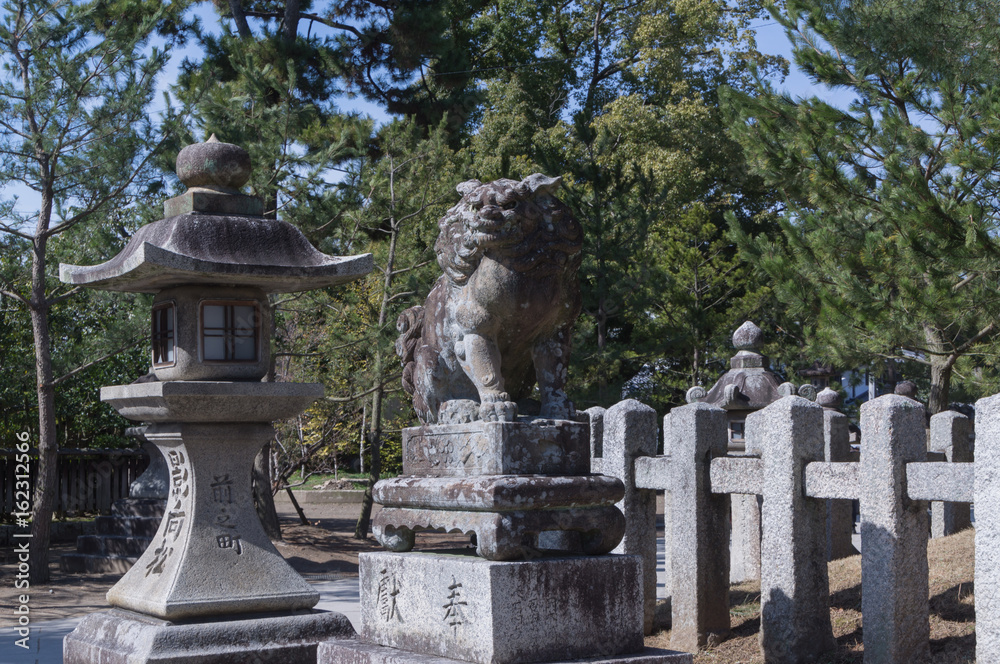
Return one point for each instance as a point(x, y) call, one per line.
point(524, 447)
point(125, 637)
point(463, 607)
point(359, 652)
point(210, 554)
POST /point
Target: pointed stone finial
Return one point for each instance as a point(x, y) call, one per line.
point(748, 337)
point(214, 165)
point(829, 399)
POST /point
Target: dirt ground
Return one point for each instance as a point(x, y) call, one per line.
point(326, 549)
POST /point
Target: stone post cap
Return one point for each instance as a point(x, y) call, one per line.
point(748, 340)
point(213, 172)
point(829, 399)
point(748, 337)
point(214, 165)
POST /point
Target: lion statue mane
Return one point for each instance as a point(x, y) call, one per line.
point(501, 316)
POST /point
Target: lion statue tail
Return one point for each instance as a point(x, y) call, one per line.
point(410, 325)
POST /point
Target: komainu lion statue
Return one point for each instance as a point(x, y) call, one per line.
point(501, 316)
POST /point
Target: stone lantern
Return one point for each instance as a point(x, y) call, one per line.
point(211, 575)
point(748, 386)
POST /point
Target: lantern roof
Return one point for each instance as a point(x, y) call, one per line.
point(214, 235)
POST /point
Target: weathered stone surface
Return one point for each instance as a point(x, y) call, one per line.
point(939, 481)
point(359, 652)
point(795, 610)
point(744, 554)
point(501, 316)
point(951, 433)
point(125, 637)
point(195, 248)
point(210, 401)
point(214, 165)
point(748, 337)
point(210, 554)
point(467, 608)
point(527, 446)
point(894, 532)
point(630, 432)
point(653, 473)
point(737, 475)
point(699, 533)
point(829, 399)
point(837, 449)
point(152, 484)
point(832, 480)
point(507, 535)
point(498, 493)
point(987, 494)
point(596, 417)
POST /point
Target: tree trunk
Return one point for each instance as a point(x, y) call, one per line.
point(938, 398)
point(374, 471)
point(941, 368)
point(263, 499)
point(47, 480)
point(375, 439)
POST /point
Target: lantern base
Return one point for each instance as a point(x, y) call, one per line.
point(119, 636)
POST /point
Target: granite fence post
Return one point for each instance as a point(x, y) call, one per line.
point(837, 448)
point(699, 536)
point(894, 534)
point(987, 495)
point(795, 608)
point(629, 432)
point(596, 417)
point(667, 506)
point(950, 434)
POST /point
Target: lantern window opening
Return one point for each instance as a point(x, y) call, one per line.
point(230, 331)
point(164, 334)
point(737, 430)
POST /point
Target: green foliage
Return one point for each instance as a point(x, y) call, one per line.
point(888, 233)
point(622, 102)
point(74, 91)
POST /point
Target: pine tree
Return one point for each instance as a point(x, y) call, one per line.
point(890, 211)
point(74, 92)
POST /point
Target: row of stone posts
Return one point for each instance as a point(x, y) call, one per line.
point(791, 461)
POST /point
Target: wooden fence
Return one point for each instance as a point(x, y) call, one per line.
point(88, 480)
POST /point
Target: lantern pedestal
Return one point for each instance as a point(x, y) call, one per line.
point(118, 636)
point(210, 587)
point(210, 555)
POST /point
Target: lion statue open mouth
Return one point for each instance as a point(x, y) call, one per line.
point(500, 317)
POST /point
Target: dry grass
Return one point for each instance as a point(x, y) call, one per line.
point(952, 610)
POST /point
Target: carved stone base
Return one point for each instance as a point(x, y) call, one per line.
point(527, 446)
point(506, 513)
point(359, 652)
point(117, 636)
point(503, 535)
point(550, 609)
